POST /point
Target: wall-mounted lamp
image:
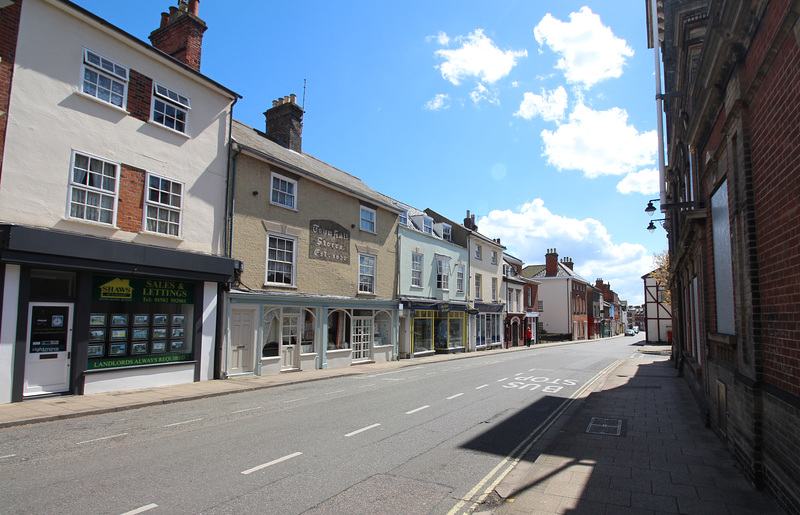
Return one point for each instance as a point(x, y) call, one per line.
point(652, 227)
point(650, 209)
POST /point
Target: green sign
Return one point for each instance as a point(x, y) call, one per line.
point(95, 364)
point(159, 291)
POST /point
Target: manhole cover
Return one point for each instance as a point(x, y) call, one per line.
point(605, 426)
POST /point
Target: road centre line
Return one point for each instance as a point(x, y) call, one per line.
point(454, 396)
point(501, 380)
point(337, 391)
point(367, 385)
point(511, 460)
point(416, 410)
point(184, 422)
point(142, 509)
point(295, 400)
point(482, 386)
point(103, 438)
point(7, 456)
point(246, 409)
point(271, 463)
point(361, 430)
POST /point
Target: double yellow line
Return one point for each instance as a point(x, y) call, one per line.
point(502, 469)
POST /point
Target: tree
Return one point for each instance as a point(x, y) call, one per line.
point(662, 275)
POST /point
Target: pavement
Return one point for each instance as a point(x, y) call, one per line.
point(635, 444)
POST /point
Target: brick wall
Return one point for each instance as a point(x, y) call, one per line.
point(140, 92)
point(131, 199)
point(776, 177)
point(9, 29)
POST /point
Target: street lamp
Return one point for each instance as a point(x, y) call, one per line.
point(650, 209)
point(651, 227)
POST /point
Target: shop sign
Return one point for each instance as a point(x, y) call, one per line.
point(158, 291)
point(445, 308)
point(473, 311)
point(96, 364)
point(329, 241)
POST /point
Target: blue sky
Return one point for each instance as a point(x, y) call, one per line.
point(538, 117)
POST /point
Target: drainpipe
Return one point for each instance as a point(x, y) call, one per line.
point(659, 106)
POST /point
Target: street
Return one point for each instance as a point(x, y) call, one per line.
point(430, 438)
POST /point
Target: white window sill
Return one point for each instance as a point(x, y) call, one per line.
point(103, 102)
point(82, 221)
point(281, 205)
point(281, 285)
point(164, 127)
point(161, 235)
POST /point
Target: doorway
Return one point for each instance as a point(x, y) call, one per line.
point(48, 353)
point(243, 337)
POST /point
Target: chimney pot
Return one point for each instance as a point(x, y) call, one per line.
point(293, 98)
point(194, 6)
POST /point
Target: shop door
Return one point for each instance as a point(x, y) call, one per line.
point(362, 338)
point(243, 336)
point(290, 342)
point(49, 346)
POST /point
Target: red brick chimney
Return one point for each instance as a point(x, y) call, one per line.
point(285, 123)
point(181, 33)
point(551, 263)
point(568, 262)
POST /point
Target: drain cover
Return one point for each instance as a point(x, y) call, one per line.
point(605, 426)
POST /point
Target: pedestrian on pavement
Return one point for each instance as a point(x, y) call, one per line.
point(528, 336)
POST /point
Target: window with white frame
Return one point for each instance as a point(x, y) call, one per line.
point(447, 232)
point(478, 252)
point(93, 189)
point(427, 225)
point(170, 108)
point(494, 257)
point(478, 280)
point(280, 260)
point(104, 79)
point(442, 273)
point(367, 219)
point(366, 273)
point(403, 218)
point(283, 191)
point(516, 300)
point(416, 269)
point(494, 289)
point(460, 278)
point(540, 306)
point(163, 206)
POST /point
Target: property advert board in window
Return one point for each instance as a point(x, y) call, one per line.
point(137, 322)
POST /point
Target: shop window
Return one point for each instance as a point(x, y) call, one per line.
point(383, 329)
point(287, 326)
point(138, 322)
point(338, 330)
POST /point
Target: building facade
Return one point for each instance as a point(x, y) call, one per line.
point(112, 188)
point(731, 71)
point(319, 249)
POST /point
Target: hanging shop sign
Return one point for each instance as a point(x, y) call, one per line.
point(329, 241)
point(116, 289)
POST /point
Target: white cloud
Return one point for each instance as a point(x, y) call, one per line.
point(643, 181)
point(590, 52)
point(599, 143)
point(477, 57)
point(550, 105)
point(441, 38)
point(531, 228)
point(482, 93)
point(438, 102)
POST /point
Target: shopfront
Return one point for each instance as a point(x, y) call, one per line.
point(269, 334)
point(488, 324)
point(432, 327)
point(84, 315)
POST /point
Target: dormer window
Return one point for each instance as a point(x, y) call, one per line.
point(403, 218)
point(427, 225)
point(447, 232)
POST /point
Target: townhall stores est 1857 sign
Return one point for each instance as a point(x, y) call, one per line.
point(329, 241)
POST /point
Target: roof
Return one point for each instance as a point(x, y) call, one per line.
point(539, 272)
point(486, 239)
point(256, 143)
point(146, 46)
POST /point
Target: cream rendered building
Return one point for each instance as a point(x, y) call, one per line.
point(319, 252)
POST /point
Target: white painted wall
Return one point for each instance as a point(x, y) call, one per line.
point(8, 331)
point(49, 117)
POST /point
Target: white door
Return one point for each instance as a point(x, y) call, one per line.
point(243, 337)
point(48, 355)
point(290, 341)
point(362, 338)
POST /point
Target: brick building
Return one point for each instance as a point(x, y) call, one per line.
point(729, 199)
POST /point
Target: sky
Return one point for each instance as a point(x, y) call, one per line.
point(539, 117)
